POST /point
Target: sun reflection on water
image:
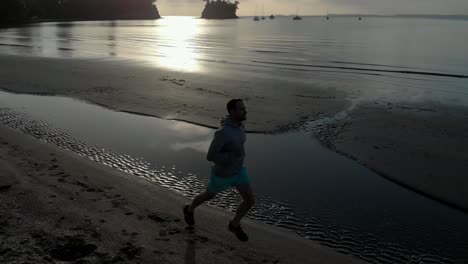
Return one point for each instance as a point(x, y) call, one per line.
point(178, 52)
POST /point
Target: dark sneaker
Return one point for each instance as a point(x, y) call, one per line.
point(188, 216)
point(240, 234)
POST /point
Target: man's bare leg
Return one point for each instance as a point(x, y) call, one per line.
point(189, 216)
point(248, 200)
point(200, 199)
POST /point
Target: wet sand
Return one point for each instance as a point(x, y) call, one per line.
point(419, 146)
point(422, 147)
point(137, 87)
point(58, 206)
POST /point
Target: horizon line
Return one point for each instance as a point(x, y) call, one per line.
point(350, 14)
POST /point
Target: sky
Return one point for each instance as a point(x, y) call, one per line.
point(319, 7)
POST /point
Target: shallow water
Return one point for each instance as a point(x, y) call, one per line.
point(300, 185)
point(401, 59)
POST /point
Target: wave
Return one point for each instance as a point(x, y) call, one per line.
point(367, 69)
point(16, 45)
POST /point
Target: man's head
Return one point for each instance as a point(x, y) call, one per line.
point(237, 110)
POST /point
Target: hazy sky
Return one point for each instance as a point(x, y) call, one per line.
point(317, 7)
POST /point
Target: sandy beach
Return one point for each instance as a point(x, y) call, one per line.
point(58, 206)
point(421, 146)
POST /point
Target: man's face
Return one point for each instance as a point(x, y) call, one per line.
point(240, 113)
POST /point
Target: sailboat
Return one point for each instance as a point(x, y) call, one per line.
point(328, 16)
point(256, 17)
point(297, 17)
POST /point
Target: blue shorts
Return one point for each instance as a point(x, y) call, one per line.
point(218, 184)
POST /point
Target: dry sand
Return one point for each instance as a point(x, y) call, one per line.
point(57, 206)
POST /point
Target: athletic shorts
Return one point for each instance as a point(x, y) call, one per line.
point(217, 184)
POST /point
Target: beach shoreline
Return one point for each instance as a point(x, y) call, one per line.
point(87, 212)
point(139, 88)
point(413, 144)
point(420, 148)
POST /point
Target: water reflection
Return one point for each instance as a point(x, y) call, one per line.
point(190, 137)
point(187, 130)
point(111, 39)
point(47, 44)
point(178, 52)
point(25, 35)
point(17, 40)
point(64, 35)
point(199, 146)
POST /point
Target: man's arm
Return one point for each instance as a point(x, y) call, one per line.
point(214, 153)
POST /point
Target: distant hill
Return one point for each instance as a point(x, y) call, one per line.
point(220, 9)
point(110, 9)
point(22, 11)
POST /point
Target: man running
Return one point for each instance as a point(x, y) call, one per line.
point(227, 152)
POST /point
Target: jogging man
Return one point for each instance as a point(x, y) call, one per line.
point(227, 153)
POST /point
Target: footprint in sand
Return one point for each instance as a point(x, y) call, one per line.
point(131, 251)
point(156, 218)
point(201, 238)
point(173, 231)
point(24, 242)
point(218, 251)
point(72, 249)
point(5, 188)
point(190, 229)
point(117, 203)
point(108, 196)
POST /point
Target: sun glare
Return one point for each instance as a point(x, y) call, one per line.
point(178, 52)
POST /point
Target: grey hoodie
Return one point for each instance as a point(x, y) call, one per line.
point(227, 148)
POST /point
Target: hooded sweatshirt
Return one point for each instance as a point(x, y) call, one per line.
point(227, 148)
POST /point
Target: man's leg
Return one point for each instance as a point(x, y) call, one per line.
point(248, 200)
point(200, 199)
